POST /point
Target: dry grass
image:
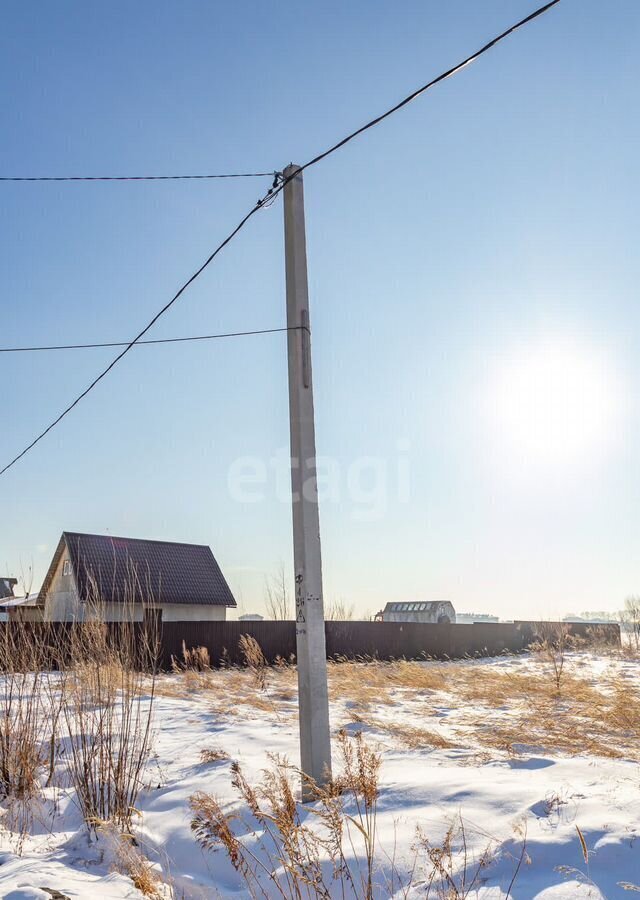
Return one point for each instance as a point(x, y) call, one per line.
point(234, 690)
point(496, 709)
point(30, 704)
point(451, 874)
point(331, 848)
point(130, 861)
point(23, 712)
point(278, 849)
point(213, 755)
point(89, 689)
point(107, 709)
point(483, 707)
point(410, 737)
point(554, 645)
point(254, 660)
point(194, 669)
point(194, 659)
point(347, 679)
point(526, 708)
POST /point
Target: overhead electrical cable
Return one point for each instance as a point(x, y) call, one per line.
point(174, 340)
point(267, 199)
point(133, 177)
point(425, 87)
point(258, 205)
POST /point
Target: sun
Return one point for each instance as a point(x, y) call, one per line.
point(553, 403)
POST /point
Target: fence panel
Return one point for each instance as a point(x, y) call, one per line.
point(277, 639)
point(352, 640)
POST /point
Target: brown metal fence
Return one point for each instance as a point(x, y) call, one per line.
point(362, 640)
point(351, 640)
point(277, 639)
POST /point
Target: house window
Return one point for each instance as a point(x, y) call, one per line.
point(66, 567)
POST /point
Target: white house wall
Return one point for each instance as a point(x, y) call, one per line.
point(171, 612)
point(62, 602)
point(192, 612)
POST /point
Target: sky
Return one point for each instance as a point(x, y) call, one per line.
point(473, 274)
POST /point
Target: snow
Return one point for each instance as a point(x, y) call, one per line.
point(497, 794)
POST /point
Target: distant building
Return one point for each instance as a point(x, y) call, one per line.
point(437, 612)
point(6, 587)
point(22, 609)
point(6, 594)
point(127, 577)
point(251, 617)
point(595, 618)
point(468, 618)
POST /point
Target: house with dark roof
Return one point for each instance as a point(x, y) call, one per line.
point(127, 578)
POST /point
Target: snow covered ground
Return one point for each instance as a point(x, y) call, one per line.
point(489, 741)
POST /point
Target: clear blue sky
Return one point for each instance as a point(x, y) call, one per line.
point(495, 218)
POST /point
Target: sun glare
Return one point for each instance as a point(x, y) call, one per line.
point(553, 404)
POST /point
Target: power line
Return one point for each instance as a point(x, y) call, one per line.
point(175, 340)
point(258, 205)
point(266, 200)
point(425, 87)
point(134, 177)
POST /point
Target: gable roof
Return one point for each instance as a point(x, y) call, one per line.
point(154, 571)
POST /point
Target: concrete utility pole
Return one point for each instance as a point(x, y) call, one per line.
point(315, 738)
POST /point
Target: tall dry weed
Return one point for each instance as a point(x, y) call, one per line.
point(254, 659)
point(555, 641)
point(30, 703)
point(274, 847)
point(452, 872)
point(22, 728)
point(330, 848)
point(108, 687)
